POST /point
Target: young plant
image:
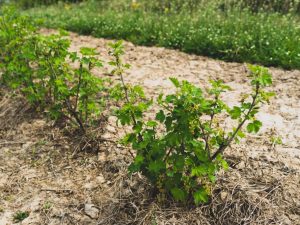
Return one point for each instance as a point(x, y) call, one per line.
point(181, 150)
point(20, 216)
point(39, 66)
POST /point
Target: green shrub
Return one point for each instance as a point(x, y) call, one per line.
point(181, 150)
point(39, 66)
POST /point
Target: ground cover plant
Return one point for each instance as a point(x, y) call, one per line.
point(183, 158)
point(227, 31)
point(179, 151)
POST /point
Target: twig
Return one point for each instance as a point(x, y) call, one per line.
point(78, 87)
point(75, 115)
point(12, 142)
point(58, 190)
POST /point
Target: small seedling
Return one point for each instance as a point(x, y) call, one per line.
point(276, 140)
point(20, 216)
point(47, 206)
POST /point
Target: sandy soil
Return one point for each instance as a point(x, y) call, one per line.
point(40, 174)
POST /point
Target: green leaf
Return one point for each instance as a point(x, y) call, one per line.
point(212, 178)
point(156, 166)
point(178, 194)
point(160, 116)
point(241, 134)
point(112, 63)
point(179, 162)
point(168, 123)
point(151, 123)
point(175, 81)
point(246, 105)
point(138, 127)
point(135, 166)
point(254, 126)
point(236, 112)
point(139, 159)
point(200, 196)
point(138, 90)
point(265, 79)
point(170, 173)
point(224, 164)
point(98, 64)
point(199, 171)
point(88, 51)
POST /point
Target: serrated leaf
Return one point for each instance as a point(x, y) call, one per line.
point(88, 51)
point(160, 116)
point(236, 112)
point(151, 123)
point(199, 171)
point(212, 178)
point(156, 166)
point(224, 164)
point(200, 196)
point(175, 81)
point(136, 165)
point(178, 194)
point(254, 127)
point(241, 134)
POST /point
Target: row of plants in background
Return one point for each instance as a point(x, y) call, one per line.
point(282, 6)
point(34, 3)
point(234, 34)
point(40, 67)
point(180, 150)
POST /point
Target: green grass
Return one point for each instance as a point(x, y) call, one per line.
point(270, 39)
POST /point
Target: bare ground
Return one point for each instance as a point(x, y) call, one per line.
point(40, 173)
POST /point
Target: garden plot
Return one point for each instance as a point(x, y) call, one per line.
point(40, 174)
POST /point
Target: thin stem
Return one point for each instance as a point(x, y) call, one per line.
point(78, 87)
point(168, 154)
point(118, 62)
point(52, 79)
point(213, 113)
point(75, 115)
point(226, 143)
point(205, 137)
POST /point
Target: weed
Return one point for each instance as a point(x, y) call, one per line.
point(20, 216)
point(276, 140)
point(47, 206)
